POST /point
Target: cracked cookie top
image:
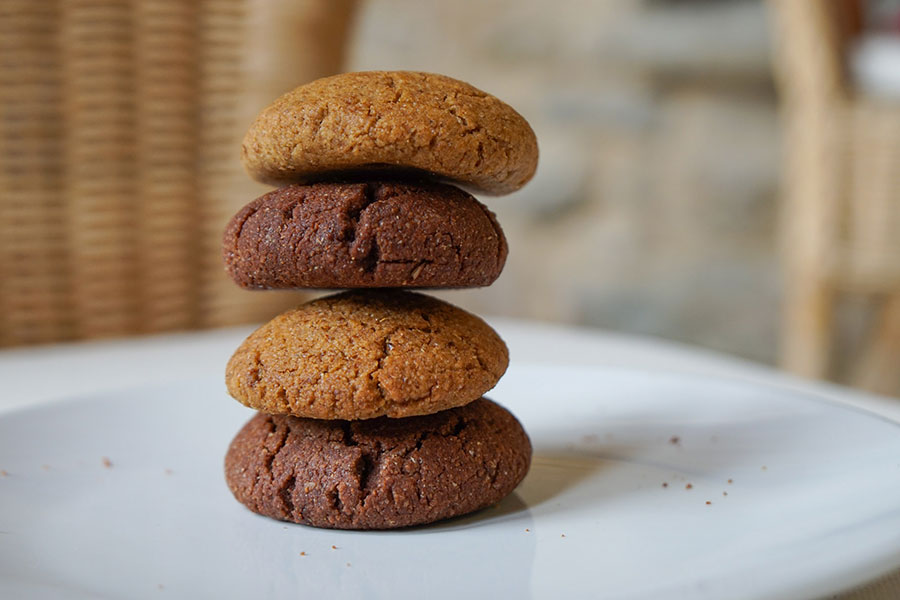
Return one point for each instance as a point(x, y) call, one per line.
point(380, 473)
point(366, 354)
point(370, 234)
point(389, 120)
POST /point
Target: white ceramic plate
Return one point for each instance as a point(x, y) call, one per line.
point(812, 504)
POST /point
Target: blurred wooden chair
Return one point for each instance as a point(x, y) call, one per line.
point(120, 129)
point(841, 209)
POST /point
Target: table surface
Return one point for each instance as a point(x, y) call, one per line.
point(68, 371)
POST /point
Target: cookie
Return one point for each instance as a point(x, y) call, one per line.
point(365, 354)
point(390, 120)
point(355, 235)
point(378, 474)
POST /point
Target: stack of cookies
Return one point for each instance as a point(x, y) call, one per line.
point(371, 408)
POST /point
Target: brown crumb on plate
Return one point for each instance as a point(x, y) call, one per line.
point(106, 462)
point(689, 486)
point(665, 484)
point(708, 502)
point(674, 440)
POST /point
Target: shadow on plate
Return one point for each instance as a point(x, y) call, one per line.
point(552, 473)
point(511, 508)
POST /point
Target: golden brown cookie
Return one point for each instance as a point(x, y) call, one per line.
point(365, 354)
point(381, 473)
point(356, 235)
point(391, 120)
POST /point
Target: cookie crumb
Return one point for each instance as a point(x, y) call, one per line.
point(731, 481)
point(334, 547)
point(708, 502)
point(107, 463)
point(303, 554)
point(527, 530)
point(665, 484)
point(3, 473)
point(562, 535)
point(674, 440)
point(724, 493)
point(689, 486)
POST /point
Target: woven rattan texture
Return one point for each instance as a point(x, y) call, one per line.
point(120, 128)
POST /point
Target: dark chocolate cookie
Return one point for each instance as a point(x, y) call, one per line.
point(381, 473)
point(372, 234)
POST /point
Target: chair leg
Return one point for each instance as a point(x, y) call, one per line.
point(878, 368)
point(807, 328)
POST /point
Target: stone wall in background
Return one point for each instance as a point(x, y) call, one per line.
point(653, 210)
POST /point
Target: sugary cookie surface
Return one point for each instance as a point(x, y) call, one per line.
point(392, 120)
point(365, 354)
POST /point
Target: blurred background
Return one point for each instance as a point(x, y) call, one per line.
point(723, 173)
